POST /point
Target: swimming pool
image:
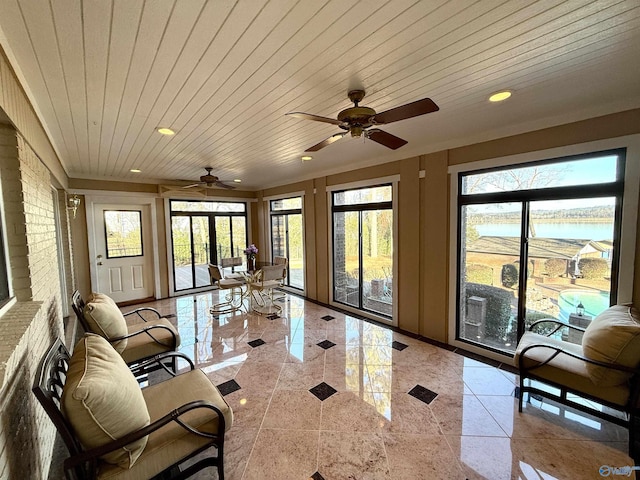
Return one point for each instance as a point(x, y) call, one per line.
point(593, 302)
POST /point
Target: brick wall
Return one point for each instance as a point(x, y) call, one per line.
point(28, 327)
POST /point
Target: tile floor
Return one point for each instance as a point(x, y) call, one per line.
point(317, 394)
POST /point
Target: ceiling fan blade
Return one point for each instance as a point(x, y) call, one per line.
point(410, 110)
point(191, 186)
point(328, 141)
point(220, 184)
point(386, 139)
point(317, 118)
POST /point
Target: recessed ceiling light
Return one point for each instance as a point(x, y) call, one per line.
point(166, 131)
point(237, 180)
point(306, 158)
point(135, 170)
point(500, 96)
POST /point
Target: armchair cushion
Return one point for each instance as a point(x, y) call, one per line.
point(105, 318)
point(102, 399)
point(172, 442)
point(157, 340)
point(613, 337)
point(564, 369)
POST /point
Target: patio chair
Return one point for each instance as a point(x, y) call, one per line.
point(235, 295)
point(231, 263)
point(605, 368)
point(137, 342)
point(115, 430)
point(261, 288)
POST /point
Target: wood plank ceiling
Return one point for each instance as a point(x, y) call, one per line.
point(104, 74)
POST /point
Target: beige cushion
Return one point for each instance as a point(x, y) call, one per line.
point(563, 369)
point(102, 400)
point(145, 345)
point(171, 443)
point(613, 337)
point(105, 318)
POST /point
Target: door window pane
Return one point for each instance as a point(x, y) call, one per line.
point(377, 261)
point(181, 239)
point(346, 258)
point(489, 265)
point(201, 249)
point(123, 231)
point(295, 277)
point(570, 250)
point(223, 237)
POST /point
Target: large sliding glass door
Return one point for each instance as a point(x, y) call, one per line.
point(363, 249)
point(202, 233)
point(537, 241)
point(287, 238)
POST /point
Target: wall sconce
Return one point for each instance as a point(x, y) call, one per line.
point(72, 204)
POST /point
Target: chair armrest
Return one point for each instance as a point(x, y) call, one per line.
point(93, 454)
point(158, 360)
point(138, 312)
point(149, 330)
point(559, 325)
point(558, 351)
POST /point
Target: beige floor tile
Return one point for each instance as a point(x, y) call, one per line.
point(421, 457)
point(258, 376)
point(351, 412)
point(405, 414)
point(351, 456)
point(303, 376)
point(283, 454)
point(487, 381)
point(293, 410)
point(464, 415)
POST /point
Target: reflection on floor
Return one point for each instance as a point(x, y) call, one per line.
point(318, 394)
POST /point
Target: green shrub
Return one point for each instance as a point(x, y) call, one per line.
point(555, 267)
point(477, 273)
point(498, 307)
point(509, 275)
point(593, 268)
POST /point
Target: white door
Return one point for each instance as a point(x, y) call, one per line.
point(123, 257)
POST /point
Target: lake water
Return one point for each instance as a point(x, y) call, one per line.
point(583, 231)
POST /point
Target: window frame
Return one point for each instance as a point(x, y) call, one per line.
point(106, 236)
point(394, 181)
point(285, 213)
point(628, 219)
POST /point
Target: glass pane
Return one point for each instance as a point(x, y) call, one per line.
point(558, 174)
point(223, 238)
point(377, 261)
point(201, 249)
point(490, 265)
point(296, 252)
point(187, 206)
point(363, 195)
point(239, 235)
point(286, 204)
point(346, 258)
point(279, 235)
point(181, 237)
point(570, 252)
point(123, 230)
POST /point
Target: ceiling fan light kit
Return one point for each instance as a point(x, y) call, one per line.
point(358, 121)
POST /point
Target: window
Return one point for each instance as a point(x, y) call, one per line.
point(535, 241)
point(287, 239)
point(123, 233)
point(204, 232)
point(363, 248)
